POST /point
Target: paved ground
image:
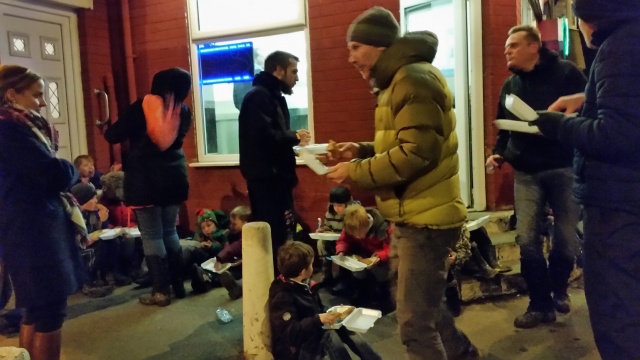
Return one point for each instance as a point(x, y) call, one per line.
point(119, 328)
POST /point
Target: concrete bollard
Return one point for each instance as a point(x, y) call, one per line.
point(257, 275)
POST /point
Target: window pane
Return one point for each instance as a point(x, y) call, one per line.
point(221, 101)
point(437, 16)
point(226, 16)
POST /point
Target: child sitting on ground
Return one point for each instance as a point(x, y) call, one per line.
point(87, 170)
point(203, 280)
point(366, 236)
point(339, 199)
point(209, 239)
point(97, 254)
point(297, 317)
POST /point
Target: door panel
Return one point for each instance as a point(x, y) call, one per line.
point(39, 45)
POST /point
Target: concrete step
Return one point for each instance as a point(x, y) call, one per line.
point(503, 284)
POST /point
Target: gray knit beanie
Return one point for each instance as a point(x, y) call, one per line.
point(374, 27)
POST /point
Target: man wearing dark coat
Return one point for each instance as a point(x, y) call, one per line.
point(542, 174)
point(607, 170)
point(267, 160)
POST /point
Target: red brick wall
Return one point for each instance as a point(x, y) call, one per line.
point(342, 105)
point(95, 57)
point(498, 16)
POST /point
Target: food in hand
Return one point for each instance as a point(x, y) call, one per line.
point(343, 311)
point(333, 149)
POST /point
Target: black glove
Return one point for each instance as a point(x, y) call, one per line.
point(548, 122)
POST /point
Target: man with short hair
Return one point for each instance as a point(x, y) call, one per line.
point(542, 174)
point(607, 171)
point(412, 166)
point(267, 160)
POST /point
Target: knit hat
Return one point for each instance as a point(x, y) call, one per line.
point(374, 27)
point(206, 214)
point(594, 11)
point(340, 195)
point(83, 193)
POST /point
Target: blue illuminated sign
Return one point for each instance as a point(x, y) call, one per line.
point(226, 63)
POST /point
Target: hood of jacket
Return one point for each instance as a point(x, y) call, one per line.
point(269, 82)
point(547, 58)
point(606, 15)
point(419, 46)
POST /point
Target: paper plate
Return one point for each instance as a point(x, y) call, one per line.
point(518, 126)
point(312, 148)
point(325, 236)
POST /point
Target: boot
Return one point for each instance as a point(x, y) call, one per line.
point(233, 288)
point(159, 271)
point(176, 270)
point(26, 337)
point(482, 240)
point(46, 346)
point(479, 266)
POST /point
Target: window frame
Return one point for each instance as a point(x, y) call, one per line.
point(198, 37)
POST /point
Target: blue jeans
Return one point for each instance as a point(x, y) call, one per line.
point(157, 226)
point(419, 259)
point(612, 280)
point(532, 193)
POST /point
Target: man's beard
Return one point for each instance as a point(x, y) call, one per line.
point(286, 89)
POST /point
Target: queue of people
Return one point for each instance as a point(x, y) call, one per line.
point(411, 167)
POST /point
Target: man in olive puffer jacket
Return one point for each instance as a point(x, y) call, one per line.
point(412, 166)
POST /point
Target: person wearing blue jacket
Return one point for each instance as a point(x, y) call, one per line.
point(37, 233)
point(607, 170)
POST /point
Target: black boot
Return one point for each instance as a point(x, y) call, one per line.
point(159, 271)
point(176, 271)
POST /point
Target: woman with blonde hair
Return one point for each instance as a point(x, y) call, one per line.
point(36, 230)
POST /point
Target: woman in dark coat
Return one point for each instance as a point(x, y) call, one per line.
point(36, 232)
point(155, 176)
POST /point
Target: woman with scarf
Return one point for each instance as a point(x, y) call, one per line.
point(155, 176)
point(36, 231)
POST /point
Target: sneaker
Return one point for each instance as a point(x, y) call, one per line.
point(562, 303)
point(233, 288)
point(531, 319)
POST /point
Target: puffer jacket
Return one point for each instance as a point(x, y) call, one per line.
point(605, 136)
point(412, 164)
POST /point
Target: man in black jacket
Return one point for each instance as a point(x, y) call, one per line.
point(607, 171)
point(543, 174)
point(267, 160)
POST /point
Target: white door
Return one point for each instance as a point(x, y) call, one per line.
point(41, 41)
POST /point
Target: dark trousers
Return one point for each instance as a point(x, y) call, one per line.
point(334, 344)
point(272, 202)
point(612, 280)
point(532, 193)
point(419, 259)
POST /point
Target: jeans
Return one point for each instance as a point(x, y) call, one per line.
point(532, 193)
point(419, 259)
point(612, 280)
point(157, 226)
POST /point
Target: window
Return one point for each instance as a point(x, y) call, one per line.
point(224, 62)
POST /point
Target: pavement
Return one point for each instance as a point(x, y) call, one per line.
point(118, 327)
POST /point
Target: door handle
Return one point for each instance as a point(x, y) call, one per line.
point(105, 99)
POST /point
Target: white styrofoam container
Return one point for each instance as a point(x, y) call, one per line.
point(360, 320)
point(210, 265)
point(348, 262)
point(133, 232)
point(325, 236)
